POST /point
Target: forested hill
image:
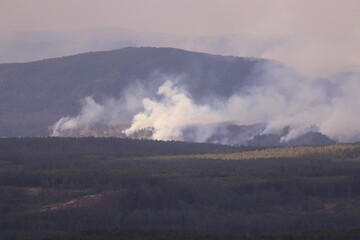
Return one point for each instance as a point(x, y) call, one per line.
point(58, 186)
point(150, 234)
point(34, 95)
point(120, 147)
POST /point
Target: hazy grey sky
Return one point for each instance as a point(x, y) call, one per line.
point(330, 28)
point(193, 17)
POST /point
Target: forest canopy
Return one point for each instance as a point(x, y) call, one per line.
point(57, 186)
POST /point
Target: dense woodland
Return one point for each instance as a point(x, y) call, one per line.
point(58, 186)
point(156, 234)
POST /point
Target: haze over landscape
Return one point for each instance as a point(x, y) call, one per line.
point(317, 37)
point(309, 83)
point(179, 119)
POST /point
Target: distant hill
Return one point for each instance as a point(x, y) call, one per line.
point(36, 94)
point(24, 46)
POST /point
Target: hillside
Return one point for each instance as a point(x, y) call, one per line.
point(25, 46)
point(150, 234)
point(34, 95)
point(57, 186)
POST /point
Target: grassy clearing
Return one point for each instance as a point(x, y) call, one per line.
point(332, 151)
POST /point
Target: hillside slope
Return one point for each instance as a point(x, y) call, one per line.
point(55, 186)
point(36, 94)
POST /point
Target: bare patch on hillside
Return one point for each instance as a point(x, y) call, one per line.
point(85, 201)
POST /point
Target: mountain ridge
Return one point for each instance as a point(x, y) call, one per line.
point(35, 96)
point(54, 87)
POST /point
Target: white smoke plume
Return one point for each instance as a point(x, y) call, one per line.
point(168, 117)
point(278, 99)
point(113, 113)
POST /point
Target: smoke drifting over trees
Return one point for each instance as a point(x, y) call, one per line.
point(277, 99)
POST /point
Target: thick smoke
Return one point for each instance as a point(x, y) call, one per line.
point(110, 116)
point(168, 117)
point(279, 99)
